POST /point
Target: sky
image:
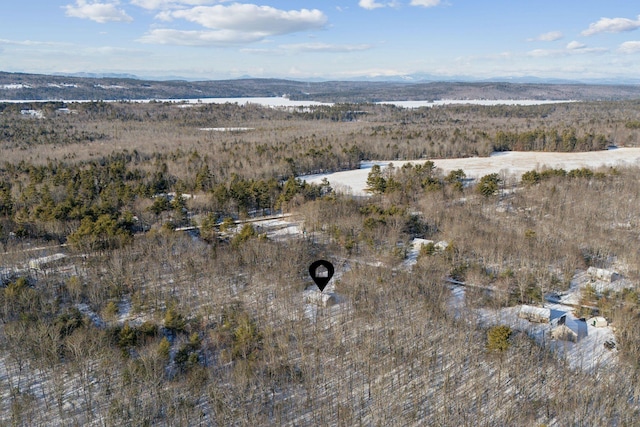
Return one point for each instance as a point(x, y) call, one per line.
point(324, 39)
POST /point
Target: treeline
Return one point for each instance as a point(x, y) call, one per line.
point(534, 177)
point(102, 203)
point(549, 140)
point(279, 142)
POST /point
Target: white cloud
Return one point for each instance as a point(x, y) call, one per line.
point(573, 48)
point(298, 48)
point(165, 15)
point(374, 4)
point(425, 3)
point(29, 43)
point(110, 50)
point(372, 72)
point(98, 12)
point(253, 19)
point(200, 38)
point(551, 36)
point(612, 25)
point(165, 4)
point(370, 4)
point(630, 47)
point(538, 53)
point(574, 45)
point(325, 47)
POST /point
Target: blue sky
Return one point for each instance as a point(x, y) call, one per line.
point(213, 39)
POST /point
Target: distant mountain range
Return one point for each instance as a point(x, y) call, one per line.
point(21, 86)
point(409, 78)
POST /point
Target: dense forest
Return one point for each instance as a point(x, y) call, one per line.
point(139, 288)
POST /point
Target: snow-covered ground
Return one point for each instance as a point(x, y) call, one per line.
point(588, 353)
point(414, 252)
point(512, 163)
point(279, 228)
point(12, 86)
point(226, 129)
point(95, 318)
point(485, 102)
point(416, 246)
point(329, 304)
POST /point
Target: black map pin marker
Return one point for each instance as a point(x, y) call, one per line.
point(321, 272)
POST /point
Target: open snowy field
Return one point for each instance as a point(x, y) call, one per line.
point(484, 102)
point(512, 163)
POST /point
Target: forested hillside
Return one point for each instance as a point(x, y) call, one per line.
point(18, 86)
point(143, 284)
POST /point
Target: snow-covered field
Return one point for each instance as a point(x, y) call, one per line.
point(484, 102)
point(13, 86)
point(226, 129)
point(512, 163)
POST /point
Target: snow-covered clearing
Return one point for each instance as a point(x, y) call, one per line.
point(415, 247)
point(279, 228)
point(226, 129)
point(512, 163)
point(62, 85)
point(99, 86)
point(588, 353)
point(95, 318)
point(38, 114)
point(414, 252)
point(580, 281)
point(484, 102)
point(330, 305)
point(12, 86)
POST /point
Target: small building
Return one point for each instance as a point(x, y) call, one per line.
point(534, 314)
point(320, 298)
point(602, 274)
point(564, 333)
point(598, 322)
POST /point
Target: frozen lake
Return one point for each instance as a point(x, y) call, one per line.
point(484, 102)
point(281, 101)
